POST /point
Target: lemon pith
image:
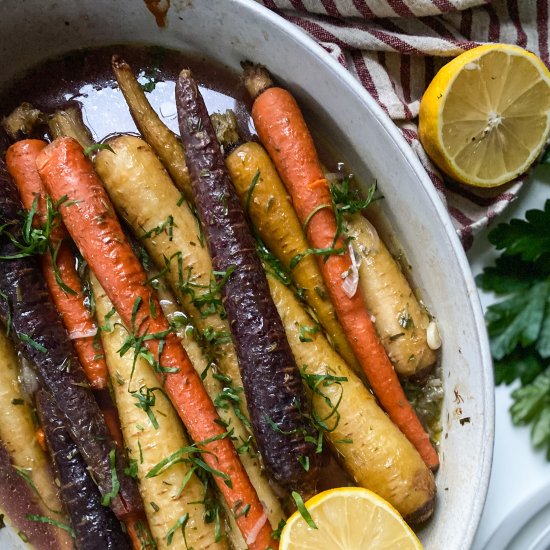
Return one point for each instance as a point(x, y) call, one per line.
point(485, 116)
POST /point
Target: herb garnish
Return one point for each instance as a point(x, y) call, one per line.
point(107, 498)
point(519, 324)
point(167, 226)
point(34, 240)
point(347, 200)
point(88, 151)
point(180, 523)
point(146, 400)
point(33, 343)
point(44, 519)
point(303, 510)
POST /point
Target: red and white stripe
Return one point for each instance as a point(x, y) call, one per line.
point(395, 47)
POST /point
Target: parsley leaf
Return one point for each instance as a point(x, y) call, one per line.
point(519, 324)
point(529, 238)
point(532, 406)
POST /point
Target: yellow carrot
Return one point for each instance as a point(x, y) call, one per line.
point(367, 443)
point(152, 432)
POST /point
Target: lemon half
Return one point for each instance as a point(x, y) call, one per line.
point(349, 518)
point(485, 117)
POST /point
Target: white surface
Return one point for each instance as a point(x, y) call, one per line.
point(518, 472)
point(233, 30)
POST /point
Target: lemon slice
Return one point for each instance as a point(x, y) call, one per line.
point(485, 116)
point(349, 518)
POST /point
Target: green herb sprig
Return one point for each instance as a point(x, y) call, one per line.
point(519, 324)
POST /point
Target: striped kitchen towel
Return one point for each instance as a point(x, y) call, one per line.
point(395, 47)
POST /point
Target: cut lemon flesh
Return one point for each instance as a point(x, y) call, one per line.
point(349, 518)
point(485, 117)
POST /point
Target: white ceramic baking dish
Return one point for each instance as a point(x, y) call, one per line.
point(230, 30)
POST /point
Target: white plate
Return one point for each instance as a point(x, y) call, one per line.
point(230, 30)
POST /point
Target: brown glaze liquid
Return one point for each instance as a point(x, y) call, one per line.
point(85, 77)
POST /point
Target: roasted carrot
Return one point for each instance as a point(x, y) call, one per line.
point(90, 219)
point(166, 145)
point(94, 525)
point(17, 433)
point(64, 283)
point(58, 265)
point(145, 197)
point(271, 379)
point(152, 432)
point(284, 133)
point(270, 209)
point(366, 442)
point(400, 320)
point(36, 329)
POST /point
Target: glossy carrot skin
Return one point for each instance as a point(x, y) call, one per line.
point(283, 131)
point(21, 161)
point(42, 339)
point(91, 221)
point(272, 383)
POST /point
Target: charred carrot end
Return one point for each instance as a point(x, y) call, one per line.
point(284, 133)
point(92, 223)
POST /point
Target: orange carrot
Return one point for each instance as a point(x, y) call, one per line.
point(21, 161)
point(78, 320)
point(91, 221)
point(283, 132)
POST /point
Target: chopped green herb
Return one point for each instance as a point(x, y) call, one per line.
point(2, 523)
point(22, 536)
point(146, 400)
point(303, 510)
point(25, 474)
point(277, 533)
point(167, 226)
point(140, 452)
point(44, 519)
point(313, 212)
point(324, 252)
point(306, 332)
point(34, 240)
point(347, 200)
point(180, 523)
point(304, 462)
point(132, 469)
point(154, 506)
point(107, 498)
point(17, 401)
point(251, 188)
point(57, 273)
point(88, 151)
point(216, 337)
point(28, 340)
